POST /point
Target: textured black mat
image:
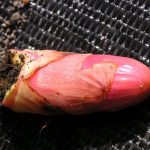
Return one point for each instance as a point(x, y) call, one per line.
point(118, 27)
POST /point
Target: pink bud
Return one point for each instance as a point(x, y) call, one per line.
point(77, 83)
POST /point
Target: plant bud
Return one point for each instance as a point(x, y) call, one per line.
point(76, 83)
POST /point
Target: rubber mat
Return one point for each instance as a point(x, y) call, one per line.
point(117, 27)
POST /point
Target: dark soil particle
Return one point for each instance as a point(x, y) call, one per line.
point(8, 73)
point(8, 25)
point(22, 58)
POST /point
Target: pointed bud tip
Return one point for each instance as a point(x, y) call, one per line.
point(131, 84)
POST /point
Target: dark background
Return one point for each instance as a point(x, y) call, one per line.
point(118, 27)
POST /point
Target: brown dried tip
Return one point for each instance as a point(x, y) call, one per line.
point(26, 2)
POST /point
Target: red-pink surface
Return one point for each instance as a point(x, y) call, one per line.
point(67, 84)
point(131, 82)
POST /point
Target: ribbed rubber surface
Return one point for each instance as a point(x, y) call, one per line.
point(118, 27)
